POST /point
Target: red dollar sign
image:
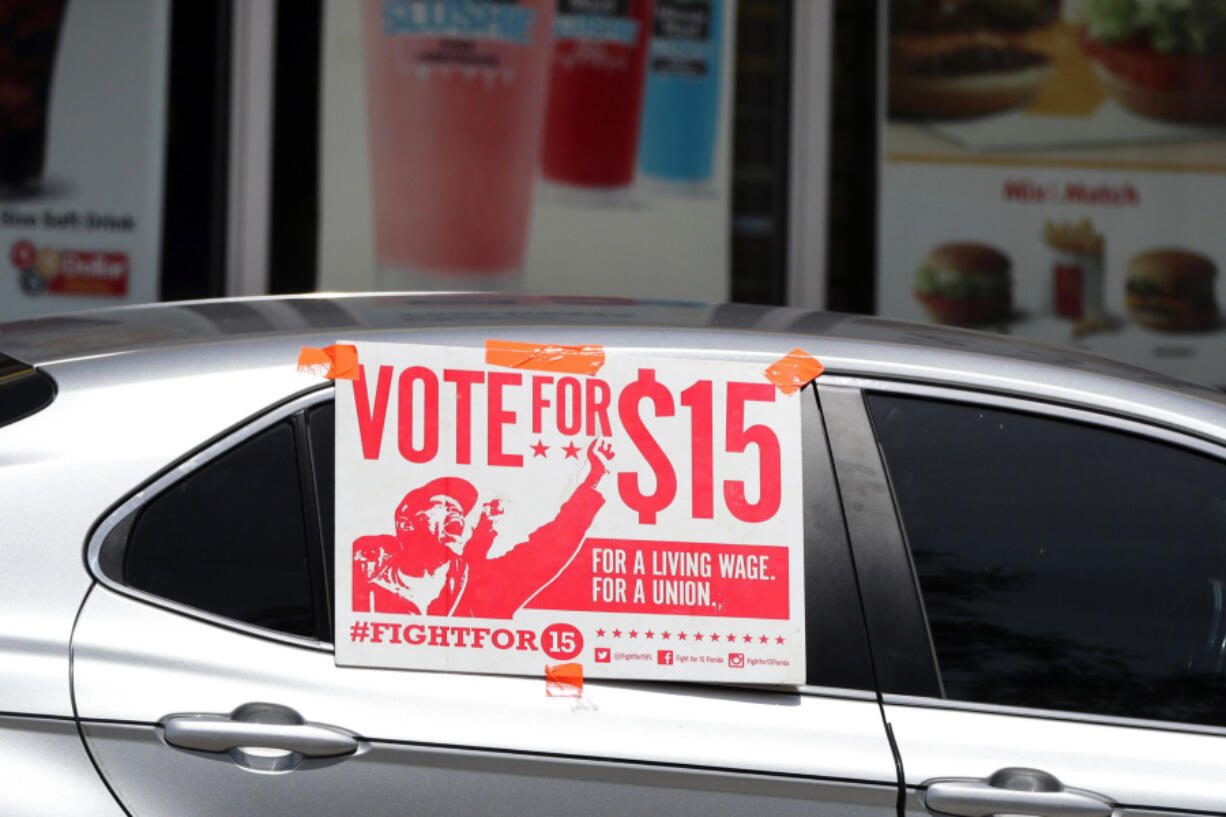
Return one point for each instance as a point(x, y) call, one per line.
point(666, 478)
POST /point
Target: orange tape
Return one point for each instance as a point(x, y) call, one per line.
point(564, 680)
point(794, 371)
point(544, 358)
point(336, 362)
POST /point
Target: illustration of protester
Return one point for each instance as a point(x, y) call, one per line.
point(430, 566)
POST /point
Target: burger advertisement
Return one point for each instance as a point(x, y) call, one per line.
point(1157, 60)
point(960, 58)
point(1054, 169)
point(1165, 60)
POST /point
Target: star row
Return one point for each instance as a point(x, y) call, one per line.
point(539, 449)
point(666, 635)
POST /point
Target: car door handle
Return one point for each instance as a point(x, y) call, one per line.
point(1013, 791)
point(257, 726)
point(217, 733)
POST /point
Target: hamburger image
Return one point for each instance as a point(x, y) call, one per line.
point(1171, 290)
point(965, 284)
point(964, 58)
point(1164, 59)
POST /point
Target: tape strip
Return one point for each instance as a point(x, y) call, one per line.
point(585, 360)
point(336, 362)
point(564, 680)
point(794, 371)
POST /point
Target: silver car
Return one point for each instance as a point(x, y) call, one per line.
point(1015, 584)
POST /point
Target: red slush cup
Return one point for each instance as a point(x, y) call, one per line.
point(596, 91)
point(455, 99)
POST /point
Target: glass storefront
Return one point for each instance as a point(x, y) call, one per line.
point(1048, 169)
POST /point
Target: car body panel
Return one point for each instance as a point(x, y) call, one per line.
point(394, 780)
point(1137, 766)
point(137, 663)
point(134, 664)
point(68, 464)
point(46, 771)
point(245, 331)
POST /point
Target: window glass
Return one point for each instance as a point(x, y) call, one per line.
point(230, 538)
point(1063, 566)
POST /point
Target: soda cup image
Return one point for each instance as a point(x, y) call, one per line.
point(681, 110)
point(455, 97)
point(29, 37)
point(596, 92)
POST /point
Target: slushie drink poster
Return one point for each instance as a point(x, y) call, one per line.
point(455, 93)
point(596, 91)
point(499, 511)
point(683, 89)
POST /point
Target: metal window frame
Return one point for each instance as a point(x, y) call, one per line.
point(893, 607)
point(835, 630)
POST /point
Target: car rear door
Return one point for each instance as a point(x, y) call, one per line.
point(1044, 595)
point(216, 691)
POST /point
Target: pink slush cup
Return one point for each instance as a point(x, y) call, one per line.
point(456, 92)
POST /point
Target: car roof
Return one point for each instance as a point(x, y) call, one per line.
point(267, 330)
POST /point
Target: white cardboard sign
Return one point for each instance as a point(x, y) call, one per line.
point(644, 521)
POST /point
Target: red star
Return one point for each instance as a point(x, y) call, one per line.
point(634, 633)
point(714, 637)
point(731, 638)
point(748, 639)
point(649, 634)
point(617, 633)
point(764, 640)
point(572, 451)
point(539, 449)
point(600, 633)
point(779, 640)
point(681, 636)
point(698, 636)
point(664, 635)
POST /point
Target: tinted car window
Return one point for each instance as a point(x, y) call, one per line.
point(1063, 566)
point(230, 538)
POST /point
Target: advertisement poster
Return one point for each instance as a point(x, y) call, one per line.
point(503, 509)
point(1055, 170)
point(82, 144)
point(564, 146)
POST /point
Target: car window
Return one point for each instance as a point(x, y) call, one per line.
point(1063, 566)
point(230, 538)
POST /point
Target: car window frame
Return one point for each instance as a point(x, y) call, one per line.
point(880, 565)
point(824, 530)
point(107, 542)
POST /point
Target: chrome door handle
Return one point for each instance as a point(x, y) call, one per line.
point(1013, 791)
point(217, 733)
point(252, 729)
